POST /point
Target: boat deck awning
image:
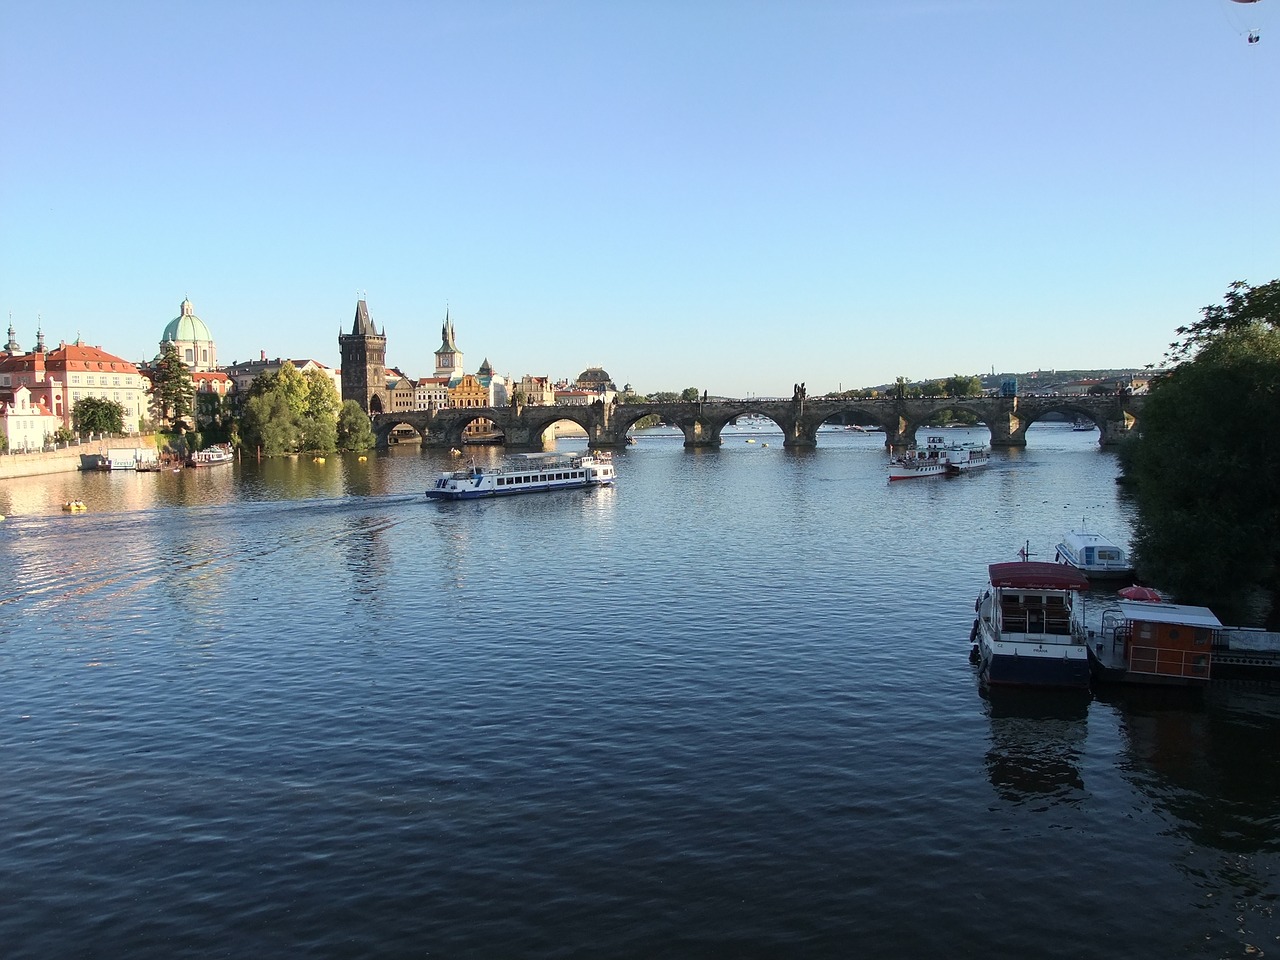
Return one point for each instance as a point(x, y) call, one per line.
point(1037, 575)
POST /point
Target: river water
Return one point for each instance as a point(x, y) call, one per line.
point(722, 710)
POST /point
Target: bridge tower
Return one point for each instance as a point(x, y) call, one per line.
point(364, 363)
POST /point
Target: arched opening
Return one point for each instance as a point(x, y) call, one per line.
point(375, 405)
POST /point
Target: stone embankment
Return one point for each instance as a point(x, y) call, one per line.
point(66, 459)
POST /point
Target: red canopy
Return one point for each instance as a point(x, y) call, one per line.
point(1037, 575)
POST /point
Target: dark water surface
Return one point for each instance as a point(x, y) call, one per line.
point(723, 710)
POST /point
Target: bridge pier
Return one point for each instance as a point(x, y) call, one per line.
point(1114, 432)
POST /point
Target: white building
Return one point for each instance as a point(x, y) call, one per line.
point(26, 424)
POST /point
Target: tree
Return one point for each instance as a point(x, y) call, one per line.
point(354, 432)
point(172, 388)
point(97, 415)
point(690, 394)
point(271, 423)
point(292, 410)
point(1242, 306)
point(1208, 523)
point(957, 385)
point(664, 396)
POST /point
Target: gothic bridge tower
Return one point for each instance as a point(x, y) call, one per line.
point(364, 363)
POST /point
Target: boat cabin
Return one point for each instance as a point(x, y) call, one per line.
point(1033, 598)
point(1159, 642)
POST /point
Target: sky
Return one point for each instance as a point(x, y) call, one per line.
point(737, 196)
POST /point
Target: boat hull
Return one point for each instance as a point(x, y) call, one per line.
point(897, 472)
point(481, 493)
point(1067, 668)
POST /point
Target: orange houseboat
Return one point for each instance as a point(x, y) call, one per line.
point(1158, 643)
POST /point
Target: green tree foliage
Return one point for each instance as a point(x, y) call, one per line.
point(97, 415)
point(171, 385)
point(290, 410)
point(690, 394)
point(354, 432)
point(271, 424)
point(1205, 463)
point(958, 385)
point(1242, 307)
point(664, 396)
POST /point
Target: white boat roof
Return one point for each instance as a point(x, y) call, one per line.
point(1083, 538)
point(1176, 613)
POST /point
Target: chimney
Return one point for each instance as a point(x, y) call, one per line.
point(262, 354)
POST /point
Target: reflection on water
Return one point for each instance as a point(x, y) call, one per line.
point(1036, 742)
point(723, 709)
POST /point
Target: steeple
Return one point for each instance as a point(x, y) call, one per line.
point(12, 345)
point(448, 357)
point(363, 326)
point(39, 335)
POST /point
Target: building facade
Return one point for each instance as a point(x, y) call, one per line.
point(26, 423)
point(73, 371)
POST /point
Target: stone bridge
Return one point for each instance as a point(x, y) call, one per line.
point(606, 426)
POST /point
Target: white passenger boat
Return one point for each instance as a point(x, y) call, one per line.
point(526, 473)
point(1030, 628)
point(211, 456)
point(938, 457)
point(1094, 555)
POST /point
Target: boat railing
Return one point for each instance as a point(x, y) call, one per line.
point(1037, 622)
point(1169, 663)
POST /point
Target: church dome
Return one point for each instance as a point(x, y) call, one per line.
point(186, 328)
point(595, 377)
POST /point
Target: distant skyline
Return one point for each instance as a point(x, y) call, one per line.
point(736, 196)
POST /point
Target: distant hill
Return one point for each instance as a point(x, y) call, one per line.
point(1039, 381)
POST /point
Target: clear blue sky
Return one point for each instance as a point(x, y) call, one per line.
point(730, 195)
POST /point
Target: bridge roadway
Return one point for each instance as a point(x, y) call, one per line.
point(606, 426)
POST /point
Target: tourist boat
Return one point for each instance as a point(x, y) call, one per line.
point(962, 457)
point(1093, 555)
point(211, 456)
point(937, 458)
point(526, 473)
point(1030, 626)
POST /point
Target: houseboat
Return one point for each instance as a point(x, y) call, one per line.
point(1030, 629)
point(129, 459)
point(938, 457)
point(1094, 555)
point(1150, 642)
point(526, 473)
point(211, 456)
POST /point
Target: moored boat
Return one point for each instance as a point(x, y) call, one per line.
point(1094, 555)
point(938, 457)
point(1153, 642)
point(1030, 629)
point(527, 473)
point(211, 456)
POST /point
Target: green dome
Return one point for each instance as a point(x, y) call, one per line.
point(186, 328)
